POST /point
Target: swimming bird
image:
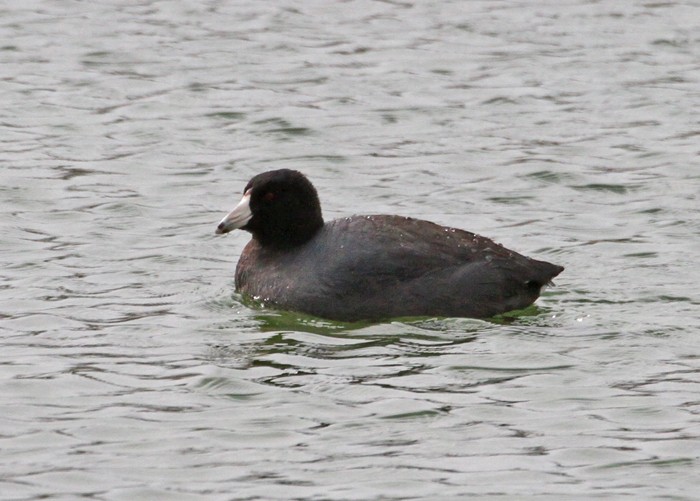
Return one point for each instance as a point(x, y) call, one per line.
point(371, 267)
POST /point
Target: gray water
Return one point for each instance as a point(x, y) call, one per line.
point(130, 370)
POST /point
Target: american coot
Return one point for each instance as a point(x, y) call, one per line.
point(370, 267)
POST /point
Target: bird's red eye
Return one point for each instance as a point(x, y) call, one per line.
point(269, 196)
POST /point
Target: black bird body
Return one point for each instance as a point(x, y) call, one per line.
point(374, 267)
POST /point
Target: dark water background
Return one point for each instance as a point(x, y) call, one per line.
point(567, 130)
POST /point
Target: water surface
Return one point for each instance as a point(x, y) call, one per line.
point(565, 130)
